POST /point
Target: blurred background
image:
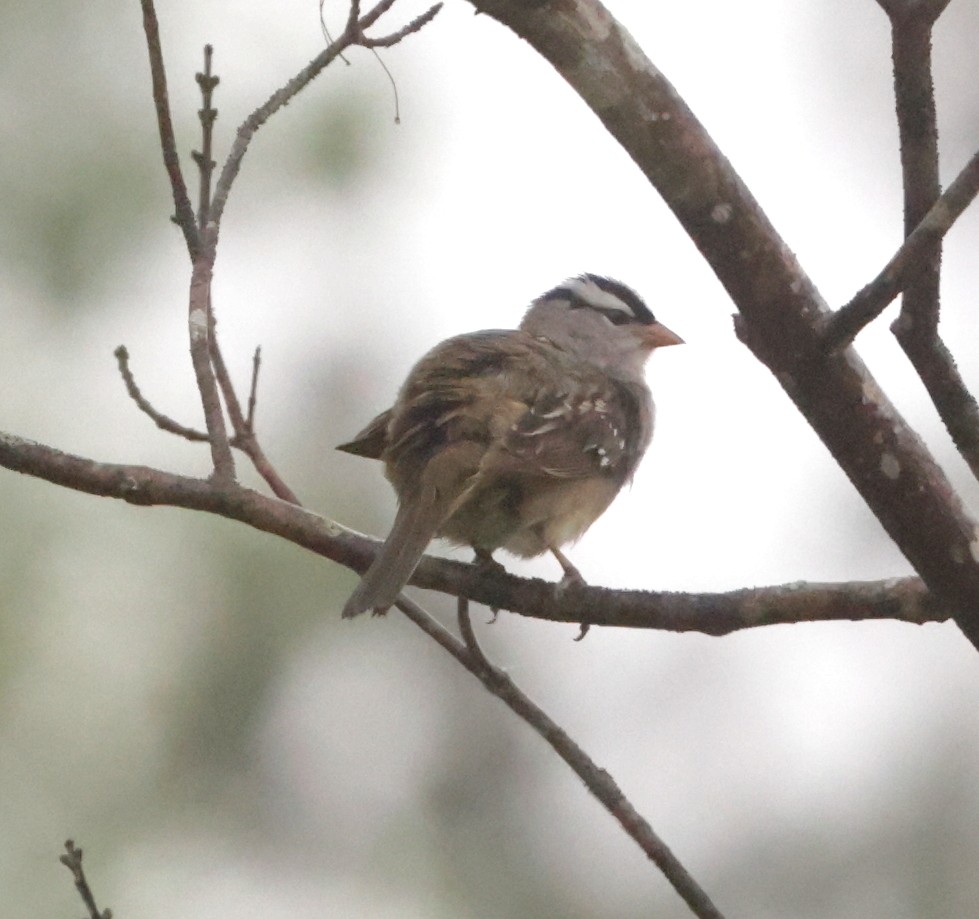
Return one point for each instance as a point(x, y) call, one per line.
point(177, 692)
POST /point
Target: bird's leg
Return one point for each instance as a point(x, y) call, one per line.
point(572, 576)
point(488, 565)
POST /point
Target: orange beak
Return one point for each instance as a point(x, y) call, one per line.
point(658, 335)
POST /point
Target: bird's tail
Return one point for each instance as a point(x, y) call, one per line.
point(414, 527)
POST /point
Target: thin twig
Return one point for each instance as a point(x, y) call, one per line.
point(843, 325)
point(184, 211)
point(256, 119)
point(231, 402)
point(375, 13)
point(208, 115)
point(72, 860)
point(326, 32)
point(392, 81)
point(950, 395)
point(417, 23)
point(353, 27)
point(253, 389)
point(597, 780)
point(352, 35)
point(244, 440)
point(468, 635)
point(142, 403)
point(204, 353)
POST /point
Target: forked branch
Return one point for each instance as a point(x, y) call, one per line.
point(202, 244)
point(843, 326)
point(72, 860)
point(782, 313)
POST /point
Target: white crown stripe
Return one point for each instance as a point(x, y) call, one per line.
point(595, 296)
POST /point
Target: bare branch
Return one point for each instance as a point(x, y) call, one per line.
point(477, 657)
point(253, 122)
point(353, 18)
point(904, 599)
point(598, 781)
point(843, 325)
point(353, 34)
point(916, 329)
point(415, 25)
point(72, 860)
point(917, 121)
point(253, 389)
point(184, 211)
point(781, 310)
point(956, 406)
point(208, 115)
point(199, 326)
point(163, 422)
point(373, 14)
point(244, 439)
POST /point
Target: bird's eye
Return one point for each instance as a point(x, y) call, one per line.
point(617, 317)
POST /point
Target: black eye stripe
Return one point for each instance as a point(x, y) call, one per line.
point(619, 304)
point(627, 295)
point(615, 316)
point(618, 317)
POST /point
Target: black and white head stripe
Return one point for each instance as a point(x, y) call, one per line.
point(620, 304)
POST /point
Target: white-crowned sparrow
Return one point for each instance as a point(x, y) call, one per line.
point(515, 439)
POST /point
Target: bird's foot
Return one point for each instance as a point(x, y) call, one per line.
point(571, 580)
point(488, 565)
point(572, 576)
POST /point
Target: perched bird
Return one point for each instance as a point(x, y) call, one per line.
point(515, 439)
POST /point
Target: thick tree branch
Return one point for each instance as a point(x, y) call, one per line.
point(781, 309)
point(905, 599)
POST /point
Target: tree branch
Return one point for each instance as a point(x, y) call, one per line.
point(199, 326)
point(843, 325)
point(781, 310)
point(184, 211)
point(917, 120)
point(163, 422)
point(72, 860)
point(207, 114)
point(352, 35)
point(916, 328)
point(716, 614)
point(599, 782)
